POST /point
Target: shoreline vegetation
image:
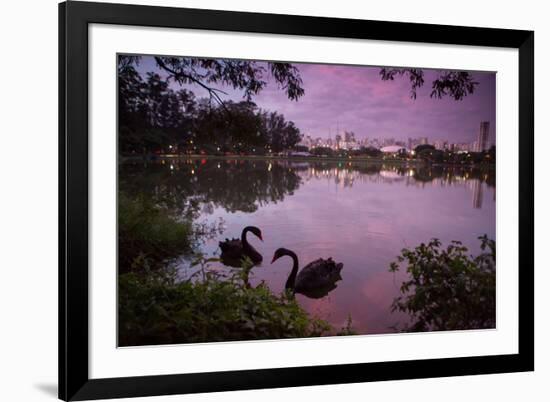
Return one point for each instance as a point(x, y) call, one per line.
point(313, 158)
point(155, 307)
point(446, 287)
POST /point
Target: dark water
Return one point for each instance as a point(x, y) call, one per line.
point(359, 214)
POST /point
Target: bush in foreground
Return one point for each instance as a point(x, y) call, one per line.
point(157, 309)
point(447, 289)
point(149, 233)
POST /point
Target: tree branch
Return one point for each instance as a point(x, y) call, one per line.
point(177, 74)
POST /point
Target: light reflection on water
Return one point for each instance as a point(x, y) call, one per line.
point(357, 213)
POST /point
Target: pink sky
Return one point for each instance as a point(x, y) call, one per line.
point(354, 98)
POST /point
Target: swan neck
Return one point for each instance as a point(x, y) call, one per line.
point(291, 281)
point(244, 241)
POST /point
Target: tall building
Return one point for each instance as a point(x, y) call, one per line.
point(349, 136)
point(338, 140)
point(482, 137)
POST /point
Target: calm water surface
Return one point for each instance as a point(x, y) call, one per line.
point(359, 214)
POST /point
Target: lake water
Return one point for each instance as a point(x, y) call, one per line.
point(357, 213)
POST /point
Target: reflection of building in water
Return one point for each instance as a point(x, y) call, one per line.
point(347, 174)
point(482, 137)
point(477, 199)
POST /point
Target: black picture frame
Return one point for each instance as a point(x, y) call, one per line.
point(74, 18)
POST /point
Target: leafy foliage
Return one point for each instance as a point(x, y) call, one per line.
point(151, 114)
point(279, 133)
point(149, 235)
point(249, 76)
point(236, 127)
point(456, 84)
point(348, 328)
point(447, 289)
point(243, 127)
point(153, 117)
point(416, 77)
point(157, 309)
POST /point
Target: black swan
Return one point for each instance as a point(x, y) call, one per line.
point(233, 250)
point(315, 280)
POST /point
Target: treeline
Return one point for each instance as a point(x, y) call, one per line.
point(426, 153)
point(429, 154)
point(344, 153)
point(155, 118)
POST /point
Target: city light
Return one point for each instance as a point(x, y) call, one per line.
point(347, 141)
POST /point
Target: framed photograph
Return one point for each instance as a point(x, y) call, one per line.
point(256, 201)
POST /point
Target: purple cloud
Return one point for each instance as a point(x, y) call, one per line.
point(355, 98)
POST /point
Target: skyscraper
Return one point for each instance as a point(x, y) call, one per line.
point(338, 140)
point(483, 137)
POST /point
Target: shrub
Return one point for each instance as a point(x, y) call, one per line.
point(157, 309)
point(148, 234)
point(447, 289)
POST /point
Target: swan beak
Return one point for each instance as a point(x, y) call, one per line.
point(261, 238)
point(273, 260)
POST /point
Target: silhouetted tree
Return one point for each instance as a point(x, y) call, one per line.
point(249, 76)
point(301, 148)
point(153, 116)
point(423, 147)
point(235, 127)
point(322, 151)
point(370, 151)
point(280, 133)
point(456, 84)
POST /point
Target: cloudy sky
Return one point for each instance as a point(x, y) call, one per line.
point(354, 98)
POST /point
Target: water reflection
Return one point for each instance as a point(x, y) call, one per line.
point(361, 214)
point(346, 174)
point(244, 185)
point(231, 184)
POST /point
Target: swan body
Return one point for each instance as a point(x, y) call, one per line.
point(316, 279)
point(234, 250)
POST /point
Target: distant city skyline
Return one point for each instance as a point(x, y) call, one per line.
point(342, 98)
